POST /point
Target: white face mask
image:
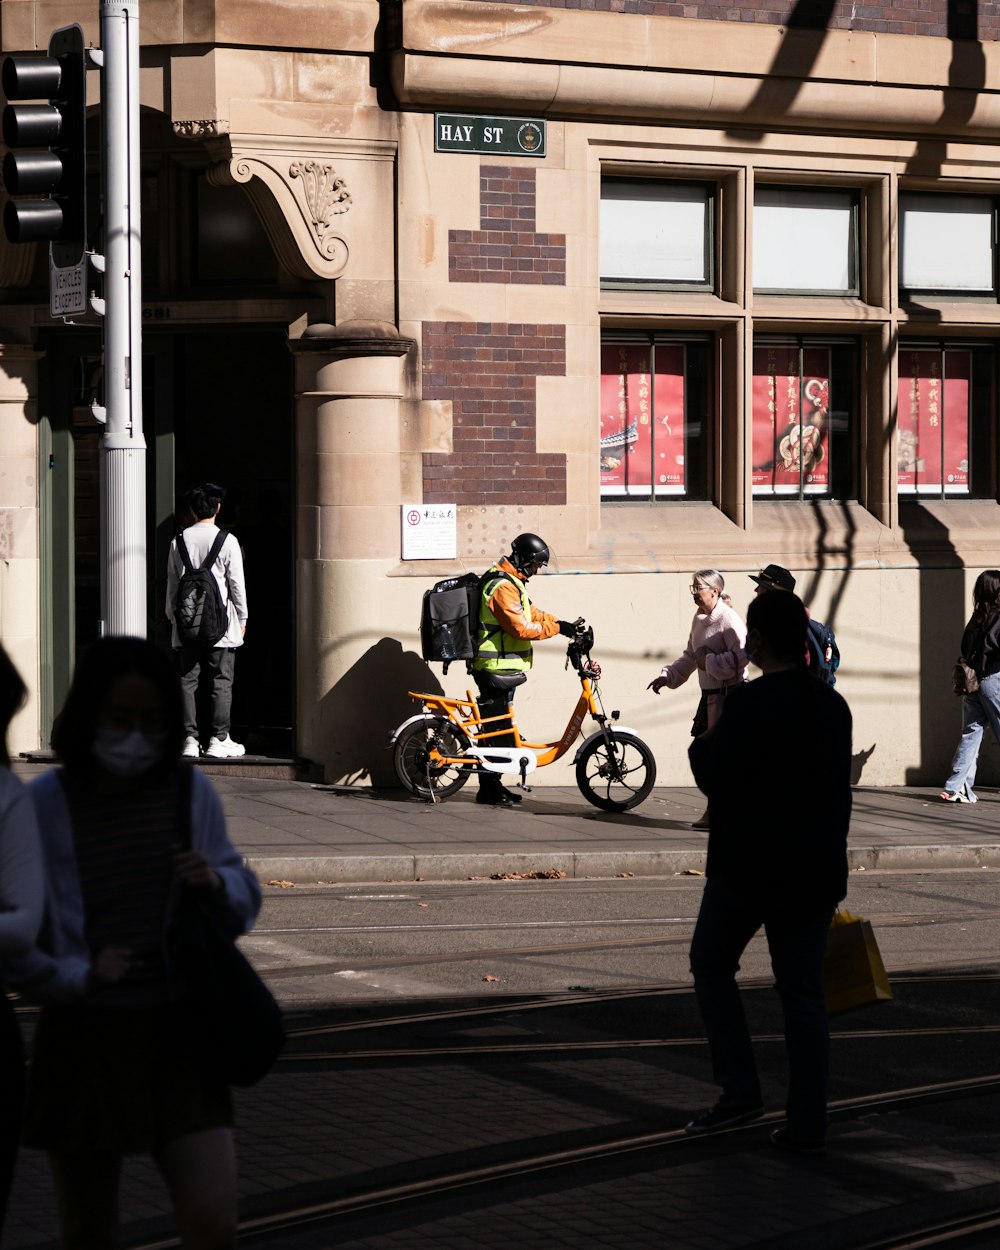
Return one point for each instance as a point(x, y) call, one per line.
point(127, 752)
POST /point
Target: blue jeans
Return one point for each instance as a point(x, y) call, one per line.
point(978, 711)
point(727, 920)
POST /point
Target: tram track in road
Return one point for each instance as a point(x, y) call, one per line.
point(531, 1106)
point(563, 1048)
point(974, 1232)
point(528, 1162)
point(375, 963)
point(482, 1050)
point(505, 1004)
point(888, 920)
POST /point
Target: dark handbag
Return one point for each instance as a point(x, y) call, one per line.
point(963, 677)
point(700, 723)
point(235, 1024)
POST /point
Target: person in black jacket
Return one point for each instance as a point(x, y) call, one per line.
point(777, 773)
point(981, 651)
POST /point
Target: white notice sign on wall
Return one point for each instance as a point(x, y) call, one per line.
point(430, 531)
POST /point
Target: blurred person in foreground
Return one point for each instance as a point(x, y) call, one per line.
point(21, 898)
point(113, 1068)
point(777, 773)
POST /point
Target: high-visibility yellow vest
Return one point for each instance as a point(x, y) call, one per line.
point(498, 651)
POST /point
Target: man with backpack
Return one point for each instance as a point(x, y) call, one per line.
point(207, 607)
point(822, 652)
point(508, 625)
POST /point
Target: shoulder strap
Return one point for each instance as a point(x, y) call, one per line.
point(216, 547)
point(183, 552)
point(492, 576)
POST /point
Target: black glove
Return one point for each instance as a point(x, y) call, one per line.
point(567, 629)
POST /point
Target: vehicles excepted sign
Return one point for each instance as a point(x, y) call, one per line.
point(68, 289)
point(507, 136)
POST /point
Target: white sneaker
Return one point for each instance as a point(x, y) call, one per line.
point(191, 749)
point(225, 748)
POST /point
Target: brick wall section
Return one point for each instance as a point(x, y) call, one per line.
point(488, 370)
point(506, 247)
point(893, 17)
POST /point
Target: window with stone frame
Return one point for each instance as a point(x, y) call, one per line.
point(656, 416)
point(805, 240)
point(804, 418)
point(945, 440)
point(947, 245)
point(657, 234)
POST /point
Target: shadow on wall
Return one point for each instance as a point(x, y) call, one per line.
point(805, 33)
point(943, 608)
point(858, 761)
point(365, 706)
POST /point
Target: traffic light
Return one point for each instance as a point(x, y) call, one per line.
point(56, 175)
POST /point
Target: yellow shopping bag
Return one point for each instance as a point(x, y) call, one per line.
point(853, 972)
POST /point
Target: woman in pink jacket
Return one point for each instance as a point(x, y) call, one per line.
point(714, 650)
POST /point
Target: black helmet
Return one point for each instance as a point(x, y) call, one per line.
point(528, 549)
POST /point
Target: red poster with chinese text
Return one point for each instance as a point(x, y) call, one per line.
point(791, 421)
point(626, 402)
point(933, 448)
point(668, 421)
point(642, 420)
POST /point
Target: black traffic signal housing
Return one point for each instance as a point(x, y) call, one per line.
point(56, 175)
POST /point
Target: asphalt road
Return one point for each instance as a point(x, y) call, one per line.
point(444, 1030)
point(338, 943)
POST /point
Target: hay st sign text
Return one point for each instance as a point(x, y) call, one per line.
point(501, 136)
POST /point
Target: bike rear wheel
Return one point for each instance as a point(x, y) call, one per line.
point(616, 772)
point(415, 767)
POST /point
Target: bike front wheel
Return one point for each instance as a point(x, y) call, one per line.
point(616, 771)
point(416, 758)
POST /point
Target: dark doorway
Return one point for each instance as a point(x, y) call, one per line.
point(217, 406)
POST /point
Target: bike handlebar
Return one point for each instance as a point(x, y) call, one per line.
point(578, 653)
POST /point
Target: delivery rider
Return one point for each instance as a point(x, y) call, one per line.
point(508, 625)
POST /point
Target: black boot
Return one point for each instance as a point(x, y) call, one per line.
point(492, 792)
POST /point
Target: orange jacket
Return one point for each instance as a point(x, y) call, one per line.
point(505, 604)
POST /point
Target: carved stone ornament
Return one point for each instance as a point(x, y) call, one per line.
point(326, 194)
point(299, 200)
point(202, 128)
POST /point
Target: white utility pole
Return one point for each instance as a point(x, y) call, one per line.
point(123, 447)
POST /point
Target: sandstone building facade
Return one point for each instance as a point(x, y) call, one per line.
point(674, 285)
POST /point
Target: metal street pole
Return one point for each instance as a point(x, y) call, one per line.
point(123, 447)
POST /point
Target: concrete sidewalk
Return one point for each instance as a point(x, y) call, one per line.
point(303, 832)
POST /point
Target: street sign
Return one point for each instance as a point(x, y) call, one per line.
point(68, 289)
point(494, 136)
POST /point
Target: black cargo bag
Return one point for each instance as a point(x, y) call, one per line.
point(449, 619)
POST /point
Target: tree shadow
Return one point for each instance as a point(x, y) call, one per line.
point(806, 30)
point(941, 612)
point(966, 79)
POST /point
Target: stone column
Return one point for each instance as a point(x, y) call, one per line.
point(349, 387)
